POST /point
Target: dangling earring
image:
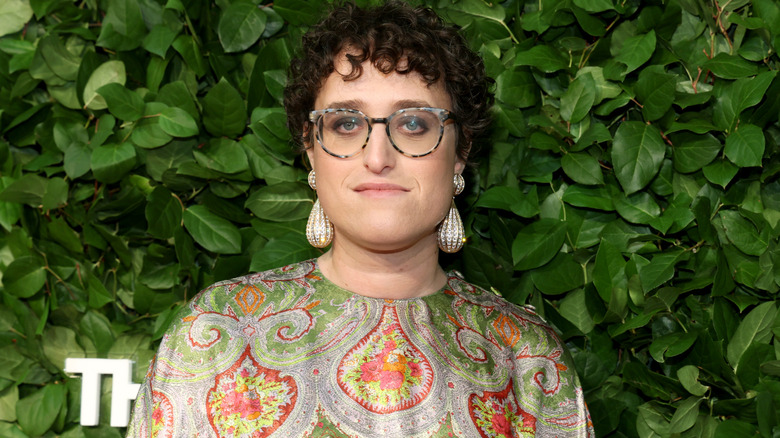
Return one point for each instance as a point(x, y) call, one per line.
point(451, 235)
point(319, 230)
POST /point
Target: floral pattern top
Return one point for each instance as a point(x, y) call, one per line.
point(286, 353)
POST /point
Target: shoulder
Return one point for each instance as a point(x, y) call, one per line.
point(491, 300)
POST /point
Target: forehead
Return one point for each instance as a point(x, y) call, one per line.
point(376, 93)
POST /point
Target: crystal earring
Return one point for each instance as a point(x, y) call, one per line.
point(451, 235)
point(319, 230)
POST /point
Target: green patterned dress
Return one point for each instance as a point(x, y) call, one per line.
point(286, 353)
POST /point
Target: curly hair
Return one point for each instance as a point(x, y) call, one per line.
point(394, 37)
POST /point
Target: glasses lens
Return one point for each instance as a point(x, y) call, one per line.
point(343, 132)
point(415, 132)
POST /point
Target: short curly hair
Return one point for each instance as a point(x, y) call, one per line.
point(393, 37)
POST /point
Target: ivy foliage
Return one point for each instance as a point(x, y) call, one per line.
point(629, 190)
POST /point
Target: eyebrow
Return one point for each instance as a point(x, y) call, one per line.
point(360, 104)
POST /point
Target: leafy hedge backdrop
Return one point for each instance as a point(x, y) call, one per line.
point(630, 190)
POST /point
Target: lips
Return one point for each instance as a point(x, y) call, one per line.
point(380, 189)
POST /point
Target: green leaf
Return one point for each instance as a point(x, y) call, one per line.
point(538, 243)
point(731, 428)
point(211, 231)
point(59, 343)
point(159, 39)
point(720, 172)
point(299, 12)
point(671, 345)
point(582, 168)
point(637, 154)
point(595, 5)
point(755, 328)
point(659, 270)
point(163, 213)
point(588, 197)
point(147, 132)
point(609, 270)
point(122, 103)
point(37, 412)
point(240, 26)
point(516, 88)
point(98, 329)
point(177, 123)
point(730, 66)
point(107, 73)
point(289, 248)
point(636, 50)
point(689, 378)
point(112, 162)
point(510, 199)
point(24, 277)
point(14, 14)
point(574, 308)
point(639, 208)
point(281, 202)
point(123, 26)
point(742, 233)
point(578, 99)
point(685, 415)
point(63, 63)
point(469, 11)
point(655, 91)
point(77, 160)
point(223, 155)
point(692, 152)
point(745, 146)
point(9, 397)
point(561, 275)
point(224, 112)
point(99, 296)
point(740, 95)
point(545, 58)
point(29, 189)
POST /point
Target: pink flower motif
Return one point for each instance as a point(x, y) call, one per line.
point(231, 403)
point(391, 379)
point(370, 371)
point(157, 415)
point(244, 372)
point(390, 345)
point(501, 425)
point(415, 368)
point(391, 328)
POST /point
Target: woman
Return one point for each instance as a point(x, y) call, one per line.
point(373, 338)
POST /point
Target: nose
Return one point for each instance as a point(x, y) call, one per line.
point(379, 154)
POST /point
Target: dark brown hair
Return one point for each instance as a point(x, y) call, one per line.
point(393, 37)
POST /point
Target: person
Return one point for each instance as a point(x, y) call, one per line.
point(372, 338)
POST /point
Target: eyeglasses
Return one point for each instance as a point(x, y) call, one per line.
point(414, 132)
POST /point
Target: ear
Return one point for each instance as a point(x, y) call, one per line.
point(307, 143)
point(460, 165)
point(310, 154)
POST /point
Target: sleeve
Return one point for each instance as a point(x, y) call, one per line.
point(551, 391)
point(160, 408)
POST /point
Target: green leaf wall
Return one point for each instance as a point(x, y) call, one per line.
point(629, 189)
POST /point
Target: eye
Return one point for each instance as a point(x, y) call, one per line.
point(412, 125)
point(345, 125)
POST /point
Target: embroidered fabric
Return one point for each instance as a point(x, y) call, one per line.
point(287, 353)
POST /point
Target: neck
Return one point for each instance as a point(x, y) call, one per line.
point(408, 273)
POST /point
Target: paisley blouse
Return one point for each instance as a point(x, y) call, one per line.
point(287, 353)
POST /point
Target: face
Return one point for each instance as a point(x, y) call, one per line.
point(380, 199)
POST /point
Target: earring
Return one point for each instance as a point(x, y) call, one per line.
point(451, 235)
point(319, 230)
